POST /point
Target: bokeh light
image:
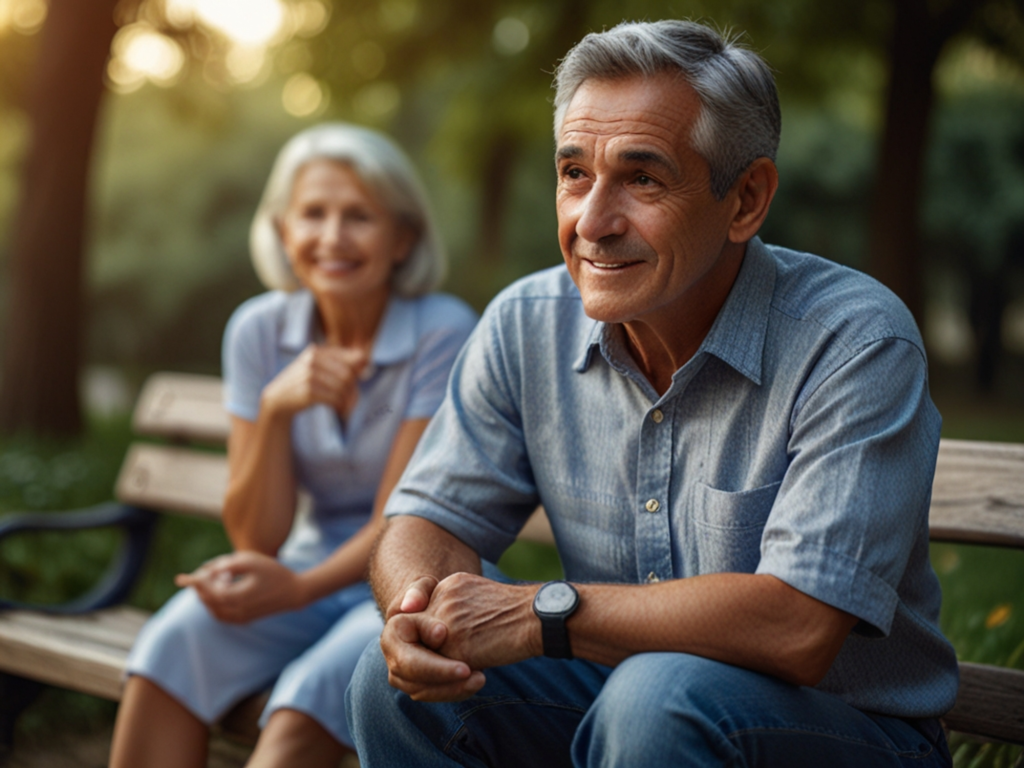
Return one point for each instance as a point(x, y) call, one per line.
point(245, 63)
point(511, 36)
point(24, 16)
point(252, 22)
point(303, 95)
point(308, 17)
point(141, 53)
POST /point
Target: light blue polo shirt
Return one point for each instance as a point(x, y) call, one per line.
point(800, 441)
point(341, 466)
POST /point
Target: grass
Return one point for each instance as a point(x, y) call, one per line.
point(983, 589)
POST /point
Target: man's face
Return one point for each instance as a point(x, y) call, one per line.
point(639, 229)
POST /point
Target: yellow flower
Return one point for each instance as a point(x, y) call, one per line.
point(999, 616)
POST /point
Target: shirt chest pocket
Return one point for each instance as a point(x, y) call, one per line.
point(728, 526)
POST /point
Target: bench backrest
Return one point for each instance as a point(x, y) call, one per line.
point(977, 498)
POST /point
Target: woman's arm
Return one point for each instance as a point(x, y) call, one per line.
point(259, 506)
point(248, 585)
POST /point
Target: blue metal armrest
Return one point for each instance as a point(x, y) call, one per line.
point(138, 524)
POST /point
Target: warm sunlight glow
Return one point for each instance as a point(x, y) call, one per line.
point(141, 53)
point(248, 22)
point(308, 17)
point(245, 63)
point(25, 16)
point(303, 95)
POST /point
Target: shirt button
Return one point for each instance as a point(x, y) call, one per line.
point(658, 416)
point(652, 577)
point(652, 505)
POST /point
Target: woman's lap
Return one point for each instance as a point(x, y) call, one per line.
point(208, 665)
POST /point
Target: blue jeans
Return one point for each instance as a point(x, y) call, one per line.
point(653, 710)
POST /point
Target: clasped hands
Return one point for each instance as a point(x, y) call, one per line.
point(439, 636)
point(245, 586)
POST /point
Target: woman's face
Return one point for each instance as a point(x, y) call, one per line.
point(341, 241)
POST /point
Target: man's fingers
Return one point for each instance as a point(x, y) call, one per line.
point(446, 692)
point(417, 595)
point(410, 660)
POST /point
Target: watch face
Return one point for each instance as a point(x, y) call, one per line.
point(556, 597)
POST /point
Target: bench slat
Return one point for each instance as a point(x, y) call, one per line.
point(164, 477)
point(978, 494)
point(989, 703)
point(83, 653)
point(181, 406)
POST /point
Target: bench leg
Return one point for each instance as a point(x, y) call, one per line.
point(16, 693)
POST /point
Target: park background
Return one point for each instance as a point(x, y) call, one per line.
point(136, 135)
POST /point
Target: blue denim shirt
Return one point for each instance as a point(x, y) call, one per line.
point(800, 441)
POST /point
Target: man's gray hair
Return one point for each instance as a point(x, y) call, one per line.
point(385, 170)
point(740, 119)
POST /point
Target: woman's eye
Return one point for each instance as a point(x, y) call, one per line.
point(315, 212)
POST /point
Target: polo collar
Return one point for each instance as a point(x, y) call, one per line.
point(396, 337)
point(736, 337)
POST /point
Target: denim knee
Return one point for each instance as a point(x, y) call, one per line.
point(650, 708)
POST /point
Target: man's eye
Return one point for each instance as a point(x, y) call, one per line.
point(573, 173)
point(644, 181)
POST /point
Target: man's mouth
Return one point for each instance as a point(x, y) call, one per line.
point(603, 265)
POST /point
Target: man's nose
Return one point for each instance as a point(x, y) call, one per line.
point(601, 213)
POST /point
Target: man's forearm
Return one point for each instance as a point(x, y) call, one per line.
point(755, 622)
point(411, 547)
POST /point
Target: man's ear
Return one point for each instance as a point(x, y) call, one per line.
point(754, 191)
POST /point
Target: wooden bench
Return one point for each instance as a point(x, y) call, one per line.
point(83, 645)
point(978, 498)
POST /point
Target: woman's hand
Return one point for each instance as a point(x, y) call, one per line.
point(245, 586)
point(320, 374)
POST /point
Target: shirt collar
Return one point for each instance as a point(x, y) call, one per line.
point(738, 333)
point(396, 337)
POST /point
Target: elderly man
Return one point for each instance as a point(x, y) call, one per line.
point(734, 443)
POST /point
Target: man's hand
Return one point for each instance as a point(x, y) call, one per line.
point(320, 374)
point(245, 586)
point(439, 636)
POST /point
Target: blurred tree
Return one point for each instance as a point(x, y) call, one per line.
point(42, 334)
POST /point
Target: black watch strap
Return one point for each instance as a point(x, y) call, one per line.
point(555, 635)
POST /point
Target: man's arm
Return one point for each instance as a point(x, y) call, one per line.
point(753, 621)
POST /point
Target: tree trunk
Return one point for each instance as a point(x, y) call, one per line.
point(43, 332)
point(895, 251)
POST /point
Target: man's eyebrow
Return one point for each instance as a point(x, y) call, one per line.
point(568, 152)
point(648, 157)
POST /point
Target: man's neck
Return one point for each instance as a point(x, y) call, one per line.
point(665, 340)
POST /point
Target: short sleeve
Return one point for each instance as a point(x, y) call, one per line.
point(247, 358)
point(435, 354)
point(471, 474)
point(854, 500)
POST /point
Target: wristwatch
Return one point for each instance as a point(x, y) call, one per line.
point(553, 604)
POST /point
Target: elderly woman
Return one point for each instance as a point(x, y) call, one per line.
point(330, 380)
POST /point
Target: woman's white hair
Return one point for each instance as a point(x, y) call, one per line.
point(388, 173)
point(739, 119)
